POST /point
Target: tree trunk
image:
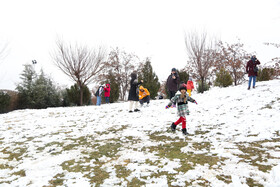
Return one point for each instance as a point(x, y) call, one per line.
point(81, 93)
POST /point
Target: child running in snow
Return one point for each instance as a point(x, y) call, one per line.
point(182, 108)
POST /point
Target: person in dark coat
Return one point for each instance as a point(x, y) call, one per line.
point(172, 83)
point(252, 70)
point(98, 95)
point(133, 96)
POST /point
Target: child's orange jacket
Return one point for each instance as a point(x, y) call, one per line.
point(144, 93)
point(190, 85)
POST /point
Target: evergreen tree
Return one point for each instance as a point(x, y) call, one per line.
point(114, 94)
point(74, 95)
point(45, 93)
point(150, 79)
point(4, 102)
point(25, 88)
point(265, 74)
point(36, 91)
point(223, 78)
point(184, 76)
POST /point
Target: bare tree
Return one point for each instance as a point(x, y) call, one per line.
point(121, 64)
point(79, 62)
point(202, 54)
point(275, 60)
point(233, 57)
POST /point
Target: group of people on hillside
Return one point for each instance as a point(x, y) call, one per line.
point(179, 93)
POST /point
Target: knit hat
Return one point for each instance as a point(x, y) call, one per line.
point(141, 88)
point(182, 87)
point(173, 69)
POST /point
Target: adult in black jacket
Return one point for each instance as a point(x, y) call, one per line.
point(133, 96)
point(172, 83)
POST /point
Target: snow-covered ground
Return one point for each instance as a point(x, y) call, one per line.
point(234, 141)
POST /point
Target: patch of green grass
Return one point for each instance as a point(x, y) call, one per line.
point(14, 154)
point(161, 138)
point(135, 183)
point(5, 166)
point(99, 175)
point(57, 180)
point(122, 172)
point(255, 153)
point(197, 132)
point(201, 145)
point(20, 173)
point(225, 178)
point(252, 182)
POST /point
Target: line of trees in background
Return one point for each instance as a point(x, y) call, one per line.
point(223, 64)
point(210, 63)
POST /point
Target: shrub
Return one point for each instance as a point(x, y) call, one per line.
point(265, 74)
point(223, 78)
point(4, 102)
point(199, 87)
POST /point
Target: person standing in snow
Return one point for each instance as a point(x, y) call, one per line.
point(172, 83)
point(133, 96)
point(190, 86)
point(144, 96)
point(252, 70)
point(98, 95)
point(182, 108)
point(107, 91)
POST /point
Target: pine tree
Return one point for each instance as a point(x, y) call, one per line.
point(74, 95)
point(25, 88)
point(223, 78)
point(115, 93)
point(36, 91)
point(150, 79)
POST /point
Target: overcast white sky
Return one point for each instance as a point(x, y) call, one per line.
point(153, 28)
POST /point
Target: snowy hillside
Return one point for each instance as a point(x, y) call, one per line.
point(234, 140)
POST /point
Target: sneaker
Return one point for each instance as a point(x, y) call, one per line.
point(130, 111)
point(136, 110)
point(173, 127)
point(184, 131)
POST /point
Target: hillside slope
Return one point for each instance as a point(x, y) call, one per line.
point(234, 140)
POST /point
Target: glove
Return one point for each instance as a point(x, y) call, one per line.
point(195, 102)
point(167, 107)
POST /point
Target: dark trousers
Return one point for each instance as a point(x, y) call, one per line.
point(145, 100)
point(172, 94)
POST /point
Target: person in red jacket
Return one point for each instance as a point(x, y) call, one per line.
point(107, 90)
point(190, 86)
point(252, 70)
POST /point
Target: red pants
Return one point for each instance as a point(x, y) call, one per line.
point(181, 120)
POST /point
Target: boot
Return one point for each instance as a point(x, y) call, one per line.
point(173, 127)
point(185, 131)
point(248, 88)
point(136, 110)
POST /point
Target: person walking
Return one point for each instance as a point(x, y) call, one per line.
point(172, 83)
point(252, 70)
point(133, 96)
point(107, 91)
